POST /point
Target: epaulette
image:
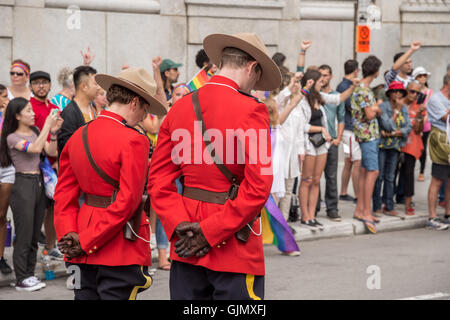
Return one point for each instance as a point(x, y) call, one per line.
point(250, 96)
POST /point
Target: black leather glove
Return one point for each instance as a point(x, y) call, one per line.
point(70, 246)
point(192, 240)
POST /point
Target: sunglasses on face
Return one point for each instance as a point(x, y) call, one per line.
point(421, 76)
point(19, 74)
point(413, 91)
point(397, 91)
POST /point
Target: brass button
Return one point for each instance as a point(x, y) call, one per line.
point(95, 247)
point(224, 243)
point(90, 251)
point(147, 220)
point(218, 246)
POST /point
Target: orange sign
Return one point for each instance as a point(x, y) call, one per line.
point(363, 39)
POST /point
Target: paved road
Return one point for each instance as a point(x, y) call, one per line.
point(410, 264)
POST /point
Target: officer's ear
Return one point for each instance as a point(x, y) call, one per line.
point(134, 103)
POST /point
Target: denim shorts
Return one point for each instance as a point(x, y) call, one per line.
point(7, 174)
point(369, 154)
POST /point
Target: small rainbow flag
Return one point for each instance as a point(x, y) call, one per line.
point(199, 79)
point(275, 229)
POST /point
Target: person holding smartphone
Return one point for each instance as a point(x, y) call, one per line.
point(421, 75)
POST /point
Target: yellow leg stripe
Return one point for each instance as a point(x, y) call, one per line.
point(250, 280)
point(147, 284)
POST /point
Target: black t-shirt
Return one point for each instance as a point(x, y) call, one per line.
point(316, 118)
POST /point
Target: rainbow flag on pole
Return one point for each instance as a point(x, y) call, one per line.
point(199, 79)
point(275, 229)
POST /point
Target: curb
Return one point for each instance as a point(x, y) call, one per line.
point(349, 227)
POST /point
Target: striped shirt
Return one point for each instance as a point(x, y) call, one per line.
point(392, 75)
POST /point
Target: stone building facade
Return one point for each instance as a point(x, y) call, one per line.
point(49, 34)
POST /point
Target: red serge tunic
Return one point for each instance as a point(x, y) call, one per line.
point(180, 151)
point(123, 154)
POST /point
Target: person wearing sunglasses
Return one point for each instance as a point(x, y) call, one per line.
point(20, 75)
point(395, 127)
point(422, 75)
point(414, 146)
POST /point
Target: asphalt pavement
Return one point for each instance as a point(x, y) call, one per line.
point(410, 264)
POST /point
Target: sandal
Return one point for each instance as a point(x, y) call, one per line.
point(369, 225)
point(410, 212)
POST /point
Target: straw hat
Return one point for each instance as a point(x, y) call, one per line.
point(137, 80)
point(251, 44)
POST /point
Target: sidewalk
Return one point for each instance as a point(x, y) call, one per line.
point(348, 227)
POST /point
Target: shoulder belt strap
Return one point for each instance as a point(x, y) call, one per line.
point(94, 165)
point(198, 113)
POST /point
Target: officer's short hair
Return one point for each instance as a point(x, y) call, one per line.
point(236, 58)
point(122, 95)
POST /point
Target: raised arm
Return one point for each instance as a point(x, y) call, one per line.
point(301, 56)
point(347, 93)
point(160, 94)
point(38, 145)
point(415, 45)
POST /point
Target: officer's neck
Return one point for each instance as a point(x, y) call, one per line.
point(124, 111)
point(239, 76)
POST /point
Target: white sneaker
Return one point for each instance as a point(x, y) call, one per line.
point(436, 224)
point(29, 284)
point(38, 282)
point(55, 254)
point(291, 253)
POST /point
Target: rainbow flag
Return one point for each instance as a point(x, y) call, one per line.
point(275, 229)
point(199, 79)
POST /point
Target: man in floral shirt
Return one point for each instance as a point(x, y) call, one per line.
point(365, 111)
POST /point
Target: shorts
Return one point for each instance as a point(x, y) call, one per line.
point(440, 171)
point(351, 147)
point(8, 174)
point(313, 151)
point(369, 155)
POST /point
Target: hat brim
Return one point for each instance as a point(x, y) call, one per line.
point(405, 93)
point(271, 75)
point(175, 66)
point(106, 81)
point(419, 74)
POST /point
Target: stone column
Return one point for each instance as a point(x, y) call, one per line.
point(6, 35)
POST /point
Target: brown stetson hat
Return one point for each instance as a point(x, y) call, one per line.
point(251, 44)
point(137, 80)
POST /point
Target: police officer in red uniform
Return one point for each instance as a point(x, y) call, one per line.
point(217, 251)
point(92, 234)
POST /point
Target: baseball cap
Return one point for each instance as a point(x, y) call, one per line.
point(169, 64)
point(39, 75)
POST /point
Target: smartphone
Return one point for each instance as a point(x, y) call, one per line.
point(421, 98)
